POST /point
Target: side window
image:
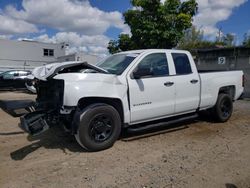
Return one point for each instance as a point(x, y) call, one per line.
point(9, 75)
point(23, 73)
point(157, 63)
point(182, 64)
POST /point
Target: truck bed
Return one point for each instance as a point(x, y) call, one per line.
point(213, 81)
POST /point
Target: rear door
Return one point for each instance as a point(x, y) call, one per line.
point(152, 96)
point(187, 83)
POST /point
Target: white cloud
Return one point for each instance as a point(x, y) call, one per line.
point(211, 12)
point(5, 36)
point(67, 15)
point(83, 26)
point(76, 22)
point(9, 25)
point(95, 44)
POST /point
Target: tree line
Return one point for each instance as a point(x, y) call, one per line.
point(194, 39)
point(166, 25)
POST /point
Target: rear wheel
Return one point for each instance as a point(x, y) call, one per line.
point(99, 128)
point(223, 108)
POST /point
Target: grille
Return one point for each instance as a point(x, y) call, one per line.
point(50, 94)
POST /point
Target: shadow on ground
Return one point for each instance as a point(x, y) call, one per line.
point(230, 185)
point(56, 138)
point(12, 133)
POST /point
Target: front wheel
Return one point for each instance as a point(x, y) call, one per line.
point(99, 127)
point(223, 108)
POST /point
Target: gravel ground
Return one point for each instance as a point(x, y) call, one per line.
point(196, 154)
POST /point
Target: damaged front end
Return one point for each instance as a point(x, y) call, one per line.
point(38, 116)
point(48, 104)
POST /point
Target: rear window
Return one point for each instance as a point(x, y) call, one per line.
point(182, 64)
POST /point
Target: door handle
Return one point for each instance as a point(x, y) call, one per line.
point(193, 81)
point(168, 84)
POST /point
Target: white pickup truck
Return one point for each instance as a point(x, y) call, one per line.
point(133, 90)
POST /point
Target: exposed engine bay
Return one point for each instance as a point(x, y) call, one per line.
point(38, 116)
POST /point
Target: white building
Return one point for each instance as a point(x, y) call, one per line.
point(28, 54)
point(80, 56)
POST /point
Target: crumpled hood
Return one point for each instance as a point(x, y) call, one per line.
point(50, 70)
point(91, 78)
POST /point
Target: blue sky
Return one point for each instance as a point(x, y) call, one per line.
point(89, 25)
point(237, 22)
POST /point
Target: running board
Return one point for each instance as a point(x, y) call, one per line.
point(165, 123)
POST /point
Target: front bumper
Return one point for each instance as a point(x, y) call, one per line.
point(17, 108)
point(34, 123)
point(37, 117)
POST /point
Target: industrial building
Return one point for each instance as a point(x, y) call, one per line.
point(27, 54)
point(80, 56)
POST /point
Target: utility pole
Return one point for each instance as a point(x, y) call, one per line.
point(220, 33)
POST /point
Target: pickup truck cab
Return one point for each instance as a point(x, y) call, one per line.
point(126, 90)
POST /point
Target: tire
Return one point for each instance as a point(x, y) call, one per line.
point(99, 127)
point(223, 108)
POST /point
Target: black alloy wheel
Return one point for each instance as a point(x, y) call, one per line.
point(223, 108)
point(101, 127)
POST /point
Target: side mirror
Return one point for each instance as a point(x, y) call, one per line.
point(142, 72)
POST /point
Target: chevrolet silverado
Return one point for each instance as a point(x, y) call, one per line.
point(135, 90)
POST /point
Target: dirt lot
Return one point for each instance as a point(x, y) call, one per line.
point(196, 154)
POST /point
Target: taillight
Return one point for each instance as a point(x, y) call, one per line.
point(243, 80)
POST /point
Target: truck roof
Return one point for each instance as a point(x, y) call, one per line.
point(153, 50)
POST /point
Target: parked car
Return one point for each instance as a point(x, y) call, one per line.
point(127, 90)
point(14, 79)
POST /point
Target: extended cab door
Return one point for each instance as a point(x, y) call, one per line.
point(187, 82)
point(151, 89)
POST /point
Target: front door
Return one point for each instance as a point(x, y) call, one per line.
point(151, 96)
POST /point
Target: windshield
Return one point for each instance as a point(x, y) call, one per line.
point(116, 64)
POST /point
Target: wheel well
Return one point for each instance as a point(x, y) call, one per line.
point(116, 103)
point(230, 90)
